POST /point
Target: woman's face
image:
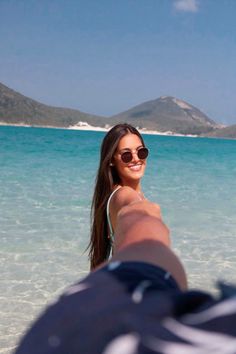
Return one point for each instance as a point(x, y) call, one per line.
point(133, 170)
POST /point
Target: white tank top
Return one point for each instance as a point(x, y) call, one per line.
point(111, 231)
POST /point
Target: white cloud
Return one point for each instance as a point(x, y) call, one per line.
point(186, 5)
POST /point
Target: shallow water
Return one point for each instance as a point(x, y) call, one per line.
point(47, 178)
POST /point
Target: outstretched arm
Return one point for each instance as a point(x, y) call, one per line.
point(141, 235)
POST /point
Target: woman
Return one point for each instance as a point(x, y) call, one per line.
point(122, 164)
point(118, 185)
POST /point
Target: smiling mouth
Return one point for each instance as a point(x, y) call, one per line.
point(136, 167)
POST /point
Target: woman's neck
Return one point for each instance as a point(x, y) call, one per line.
point(136, 185)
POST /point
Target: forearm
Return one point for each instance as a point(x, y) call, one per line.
point(141, 235)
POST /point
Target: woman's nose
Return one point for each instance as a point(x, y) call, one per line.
point(135, 156)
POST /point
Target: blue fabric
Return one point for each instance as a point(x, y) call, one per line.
point(128, 308)
point(132, 273)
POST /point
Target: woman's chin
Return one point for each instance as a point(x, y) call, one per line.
point(134, 176)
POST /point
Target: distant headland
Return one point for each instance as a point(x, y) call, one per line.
point(166, 115)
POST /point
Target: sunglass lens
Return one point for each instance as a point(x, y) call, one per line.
point(143, 153)
point(126, 156)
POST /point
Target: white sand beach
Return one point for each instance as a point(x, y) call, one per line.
point(87, 127)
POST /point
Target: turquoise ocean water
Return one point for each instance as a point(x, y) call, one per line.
point(47, 178)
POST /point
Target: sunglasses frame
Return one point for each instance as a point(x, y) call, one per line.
point(131, 154)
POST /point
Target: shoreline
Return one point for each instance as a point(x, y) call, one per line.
point(87, 127)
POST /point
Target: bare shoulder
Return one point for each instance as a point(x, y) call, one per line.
point(123, 196)
point(126, 195)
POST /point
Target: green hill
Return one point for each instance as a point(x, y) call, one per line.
point(168, 114)
point(227, 132)
point(16, 108)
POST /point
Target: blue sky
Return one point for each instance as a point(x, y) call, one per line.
point(106, 56)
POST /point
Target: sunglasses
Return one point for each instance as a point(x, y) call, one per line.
point(127, 156)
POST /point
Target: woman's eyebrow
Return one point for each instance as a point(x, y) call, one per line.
point(128, 149)
point(125, 149)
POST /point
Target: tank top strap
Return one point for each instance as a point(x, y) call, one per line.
point(108, 212)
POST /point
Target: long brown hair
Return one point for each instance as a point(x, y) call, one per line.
point(107, 178)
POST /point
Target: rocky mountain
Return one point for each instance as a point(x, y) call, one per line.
point(168, 114)
point(16, 108)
